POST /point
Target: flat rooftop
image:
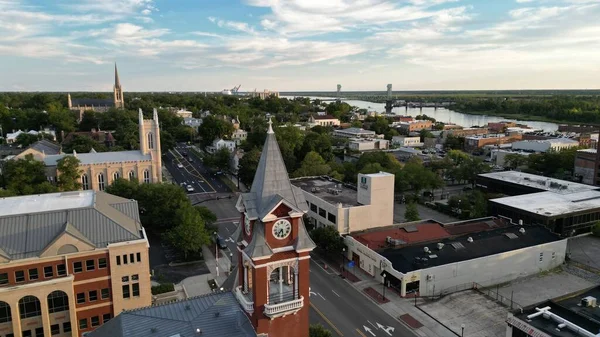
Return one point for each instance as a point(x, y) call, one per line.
point(569, 309)
point(29, 204)
point(355, 131)
point(457, 249)
point(334, 192)
point(553, 204)
point(540, 182)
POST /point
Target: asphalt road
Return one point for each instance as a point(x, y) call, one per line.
point(186, 174)
point(198, 168)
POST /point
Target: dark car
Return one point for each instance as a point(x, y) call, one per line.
point(184, 153)
point(220, 242)
point(191, 160)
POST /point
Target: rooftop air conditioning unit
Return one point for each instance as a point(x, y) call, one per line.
point(426, 249)
point(470, 239)
point(588, 301)
point(440, 246)
point(522, 230)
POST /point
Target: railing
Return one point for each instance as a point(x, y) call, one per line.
point(246, 303)
point(274, 310)
point(493, 293)
point(277, 298)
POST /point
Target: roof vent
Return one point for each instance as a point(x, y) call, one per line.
point(217, 314)
point(198, 331)
point(470, 239)
point(440, 246)
point(588, 301)
point(153, 330)
point(426, 249)
point(522, 230)
point(187, 307)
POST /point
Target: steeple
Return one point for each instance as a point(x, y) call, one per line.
point(117, 82)
point(119, 101)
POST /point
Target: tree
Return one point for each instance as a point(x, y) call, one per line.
point(514, 160)
point(68, 173)
point(596, 228)
point(456, 143)
point(328, 239)
point(411, 213)
point(213, 128)
point(124, 188)
point(26, 139)
point(83, 144)
point(189, 235)
point(312, 165)
point(247, 166)
point(317, 330)
point(26, 176)
point(89, 121)
point(207, 215)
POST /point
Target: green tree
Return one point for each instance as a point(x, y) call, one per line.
point(189, 234)
point(218, 160)
point(212, 128)
point(312, 165)
point(207, 215)
point(514, 161)
point(455, 143)
point(124, 188)
point(26, 176)
point(317, 330)
point(83, 144)
point(26, 139)
point(68, 174)
point(328, 239)
point(411, 213)
point(89, 121)
point(596, 228)
point(247, 166)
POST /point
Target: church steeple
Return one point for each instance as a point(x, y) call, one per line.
point(118, 91)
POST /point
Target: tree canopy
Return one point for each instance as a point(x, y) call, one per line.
point(69, 174)
point(26, 176)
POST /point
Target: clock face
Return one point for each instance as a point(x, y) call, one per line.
point(247, 225)
point(282, 229)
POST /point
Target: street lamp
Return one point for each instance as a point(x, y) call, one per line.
point(216, 252)
point(384, 287)
point(230, 261)
point(343, 260)
point(462, 330)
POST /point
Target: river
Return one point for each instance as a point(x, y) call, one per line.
point(443, 115)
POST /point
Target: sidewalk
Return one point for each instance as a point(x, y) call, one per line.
point(211, 263)
point(403, 309)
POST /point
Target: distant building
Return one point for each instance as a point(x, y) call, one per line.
point(406, 141)
point(547, 145)
point(499, 127)
point(69, 262)
point(96, 104)
point(264, 94)
point(192, 122)
point(184, 113)
point(239, 135)
point(219, 144)
point(325, 120)
point(356, 133)
point(498, 156)
point(362, 144)
point(105, 138)
point(477, 142)
point(349, 209)
point(11, 137)
point(585, 166)
point(40, 149)
point(465, 132)
point(415, 126)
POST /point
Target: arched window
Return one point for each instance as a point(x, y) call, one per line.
point(150, 140)
point(116, 175)
point(100, 182)
point(146, 177)
point(84, 182)
point(58, 301)
point(131, 175)
point(5, 315)
point(29, 306)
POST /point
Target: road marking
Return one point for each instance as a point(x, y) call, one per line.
point(388, 329)
point(360, 333)
point(373, 325)
point(325, 270)
point(367, 329)
point(328, 321)
point(321, 296)
point(338, 295)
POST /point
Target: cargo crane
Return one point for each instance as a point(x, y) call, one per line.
point(236, 89)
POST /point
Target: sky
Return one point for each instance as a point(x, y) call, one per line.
point(299, 45)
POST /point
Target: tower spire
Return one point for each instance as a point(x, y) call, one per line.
point(270, 131)
point(117, 82)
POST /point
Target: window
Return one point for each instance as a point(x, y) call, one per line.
point(67, 327)
point(135, 277)
point(90, 265)
point(26, 333)
point(100, 181)
point(84, 182)
point(126, 291)
point(125, 279)
point(105, 318)
point(58, 301)
point(95, 321)
point(29, 306)
point(105, 293)
point(3, 278)
point(125, 259)
point(131, 259)
point(102, 263)
point(135, 288)
point(83, 323)
point(331, 217)
point(553, 255)
point(33, 274)
point(131, 175)
point(363, 180)
point(322, 213)
point(81, 298)
point(5, 314)
point(116, 175)
point(139, 257)
point(19, 276)
point(150, 140)
point(77, 267)
point(146, 177)
point(55, 329)
point(48, 271)
point(93, 295)
point(10, 335)
point(118, 260)
point(313, 208)
point(61, 270)
point(541, 256)
point(39, 332)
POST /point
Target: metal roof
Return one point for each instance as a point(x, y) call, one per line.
point(101, 157)
point(92, 102)
point(215, 315)
point(45, 146)
point(93, 217)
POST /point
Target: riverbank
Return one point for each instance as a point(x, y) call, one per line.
point(521, 117)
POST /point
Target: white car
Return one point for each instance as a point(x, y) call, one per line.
point(190, 188)
point(179, 166)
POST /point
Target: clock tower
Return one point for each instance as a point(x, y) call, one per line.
point(273, 249)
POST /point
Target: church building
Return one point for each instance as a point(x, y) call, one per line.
point(273, 249)
point(98, 104)
point(99, 169)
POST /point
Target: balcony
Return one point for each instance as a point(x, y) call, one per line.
point(245, 300)
point(280, 309)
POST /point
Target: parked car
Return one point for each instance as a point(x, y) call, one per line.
point(219, 241)
point(179, 166)
point(190, 188)
point(191, 160)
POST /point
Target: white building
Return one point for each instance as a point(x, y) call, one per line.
point(356, 133)
point(12, 137)
point(370, 205)
point(546, 145)
point(487, 257)
point(405, 141)
point(325, 120)
point(498, 157)
point(192, 122)
point(239, 135)
point(361, 144)
point(184, 113)
point(219, 144)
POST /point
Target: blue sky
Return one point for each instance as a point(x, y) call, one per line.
point(198, 45)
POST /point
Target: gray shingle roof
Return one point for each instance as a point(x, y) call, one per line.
point(92, 101)
point(87, 215)
point(101, 157)
point(258, 247)
point(48, 147)
point(216, 315)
